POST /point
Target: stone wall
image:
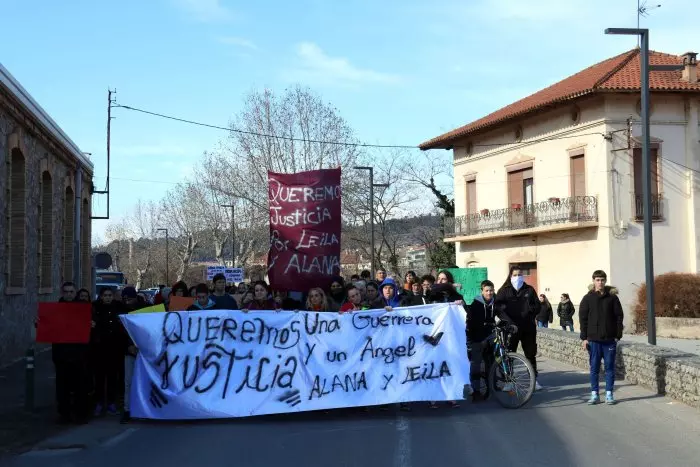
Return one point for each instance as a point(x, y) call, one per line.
point(663, 370)
point(18, 307)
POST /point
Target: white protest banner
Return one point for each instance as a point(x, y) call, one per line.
point(223, 363)
point(232, 274)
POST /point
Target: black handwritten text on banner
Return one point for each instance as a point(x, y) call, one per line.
point(219, 364)
point(305, 221)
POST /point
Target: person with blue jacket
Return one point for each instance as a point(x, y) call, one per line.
point(389, 296)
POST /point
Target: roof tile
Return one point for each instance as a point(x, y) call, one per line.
point(619, 73)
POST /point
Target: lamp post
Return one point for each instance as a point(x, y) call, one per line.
point(167, 258)
point(372, 185)
point(233, 233)
point(646, 165)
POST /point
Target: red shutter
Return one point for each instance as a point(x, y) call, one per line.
point(515, 188)
point(578, 176)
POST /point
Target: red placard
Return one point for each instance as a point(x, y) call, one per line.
point(64, 322)
point(304, 229)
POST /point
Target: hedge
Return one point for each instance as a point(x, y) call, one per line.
point(676, 295)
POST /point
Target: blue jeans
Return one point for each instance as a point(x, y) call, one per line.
point(542, 324)
point(570, 326)
point(605, 351)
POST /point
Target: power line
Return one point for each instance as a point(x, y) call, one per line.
point(342, 143)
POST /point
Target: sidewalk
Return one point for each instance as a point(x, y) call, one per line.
point(19, 430)
point(684, 345)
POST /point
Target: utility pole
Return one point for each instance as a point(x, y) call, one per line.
point(372, 185)
point(167, 258)
point(111, 101)
point(646, 165)
point(233, 232)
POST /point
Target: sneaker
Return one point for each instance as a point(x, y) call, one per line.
point(112, 409)
point(538, 386)
point(126, 417)
point(508, 387)
point(609, 399)
point(432, 405)
point(99, 409)
point(453, 404)
point(595, 399)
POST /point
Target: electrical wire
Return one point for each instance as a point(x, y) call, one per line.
point(340, 143)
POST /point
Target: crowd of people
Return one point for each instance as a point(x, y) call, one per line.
point(91, 378)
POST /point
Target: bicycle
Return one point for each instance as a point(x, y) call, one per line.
point(502, 371)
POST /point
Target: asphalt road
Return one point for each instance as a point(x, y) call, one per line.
point(557, 428)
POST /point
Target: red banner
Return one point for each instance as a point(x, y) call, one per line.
point(305, 226)
point(64, 322)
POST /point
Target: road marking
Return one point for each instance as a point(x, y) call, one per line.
point(403, 445)
point(113, 441)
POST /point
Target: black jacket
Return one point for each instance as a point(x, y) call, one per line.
point(108, 330)
point(411, 299)
point(600, 316)
point(479, 313)
point(518, 307)
point(545, 314)
point(566, 311)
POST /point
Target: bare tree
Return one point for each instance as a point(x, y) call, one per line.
point(117, 234)
point(142, 223)
point(209, 199)
point(389, 204)
point(182, 214)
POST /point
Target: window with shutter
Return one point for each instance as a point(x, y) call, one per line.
point(656, 211)
point(68, 225)
point(578, 176)
point(46, 234)
point(471, 197)
point(17, 220)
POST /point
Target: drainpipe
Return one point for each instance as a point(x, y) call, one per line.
point(77, 237)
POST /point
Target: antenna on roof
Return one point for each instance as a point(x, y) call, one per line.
point(643, 9)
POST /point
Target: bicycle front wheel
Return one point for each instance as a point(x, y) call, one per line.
point(512, 381)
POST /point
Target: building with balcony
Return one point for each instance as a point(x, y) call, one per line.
point(45, 207)
point(553, 182)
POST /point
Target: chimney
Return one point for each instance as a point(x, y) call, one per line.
point(690, 70)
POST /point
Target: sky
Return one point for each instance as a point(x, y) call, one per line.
point(399, 71)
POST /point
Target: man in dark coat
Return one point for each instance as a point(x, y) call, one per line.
point(518, 303)
point(601, 318)
point(72, 375)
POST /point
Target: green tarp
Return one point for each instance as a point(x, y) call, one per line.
point(470, 281)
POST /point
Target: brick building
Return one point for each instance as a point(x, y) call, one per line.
point(45, 207)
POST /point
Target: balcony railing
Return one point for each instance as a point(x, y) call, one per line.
point(657, 212)
point(554, 211)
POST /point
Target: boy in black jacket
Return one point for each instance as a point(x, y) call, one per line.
point(480, 313)
point(601, 317)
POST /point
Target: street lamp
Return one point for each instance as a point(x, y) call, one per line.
point(167, 259)
point(372, 185)
point(646, 164)
point(233, 233)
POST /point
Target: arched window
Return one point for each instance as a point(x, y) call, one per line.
point(68, 226)
point(46, 234)
point(17, 220)
point(85, 247)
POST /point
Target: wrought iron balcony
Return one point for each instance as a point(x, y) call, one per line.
point(657, 212)
point(573, 210)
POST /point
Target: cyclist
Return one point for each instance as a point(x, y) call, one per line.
point(479, 314)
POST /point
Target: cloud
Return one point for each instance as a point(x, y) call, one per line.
point(316, 66)
point(206, 11)
point(238, 42)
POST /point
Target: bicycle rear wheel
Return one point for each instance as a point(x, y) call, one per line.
point(513, 386)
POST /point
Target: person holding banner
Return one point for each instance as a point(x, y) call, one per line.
point(107, 351)
point(221, 298)
point(131, 303)
point(203, 301)
point(371, 293)
point(390, 297)
point(338, 295)
point(354, 302)
point(317, 301)
point(261, 298)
